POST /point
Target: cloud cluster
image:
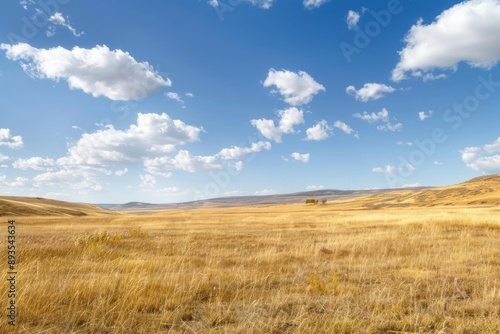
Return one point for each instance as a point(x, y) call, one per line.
point(483, 159)
point(370, 91)
point(422, 115)
point(310, 4)
point(320, 131)
point(381, 116)
point(265, 4)
point(301, 157)
point(296, 88)
point(466, 32)
point(99, 71)
point(6, 139)
point(288, 118)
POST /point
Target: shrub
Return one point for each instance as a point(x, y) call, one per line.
point(311, 201)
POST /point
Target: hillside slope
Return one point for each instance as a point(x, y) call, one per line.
point(484, 190)
point(35, 206)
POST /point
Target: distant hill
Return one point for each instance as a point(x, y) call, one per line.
point(484, 190)
point(480, 191)
point(14, 206)
point(242, 201)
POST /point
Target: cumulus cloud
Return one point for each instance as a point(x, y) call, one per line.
point(288, 118)
point(466, 32)
point(17, 183)
point(422, 115)
point(35, 163)
point(236, 152)
point(389, 169)
point(310, 4)
point(265, 192)
point(352, 19)
point(301, 157)
point(58, 20)
point(370, 91)
point(184, 161)
point(265, 4)
point(345, 128)
point(483, 159)
point(381, 116)
point(82, 179)
point(99, 71)
point(6, 139)
point(320, 131)
point(121, 172)
point(313, 187)
point(296, 88)
point(154, 134)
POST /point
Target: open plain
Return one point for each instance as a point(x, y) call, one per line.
point(425, 261)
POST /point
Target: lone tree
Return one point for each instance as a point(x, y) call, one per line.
point(311, 201)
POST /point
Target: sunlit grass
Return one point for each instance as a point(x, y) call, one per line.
point(284, 269)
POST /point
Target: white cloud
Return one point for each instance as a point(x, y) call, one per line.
point(370, 91)
point(98, 71)
point(35, 163)
point(400, 143)
point(345, 128)
point(80, 178)
point(58, 20)
point(265, 192)
point(296, 88)
point(184, 161)
point(438, 163)
point(313, 187)
point(265, 4)
point(188, 94)
point(381, 116)
point(422, 115)
point(320, 131)
point(147, 181)
point(121, 172)
point(301, 157)
point(236, 152)
point(352, 19)
point(17, 183)
point(310, 4)
point(411, 185)
point(171, 192)
point(6, 139)
point(481, 159)
point(27, 3)
point(175, 97)
point(288, 118)
point(389, 169)
point(153, 135)
point(4, 158)
point(466, 32)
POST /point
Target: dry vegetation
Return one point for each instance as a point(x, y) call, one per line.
point(284, 269)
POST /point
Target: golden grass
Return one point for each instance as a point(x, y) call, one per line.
point(282, 269)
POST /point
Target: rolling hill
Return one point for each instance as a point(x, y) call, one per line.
point(13, 206)
point(481, 191)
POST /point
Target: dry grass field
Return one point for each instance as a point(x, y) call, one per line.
point(335, 268)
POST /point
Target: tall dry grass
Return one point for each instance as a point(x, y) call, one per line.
point(286, 269)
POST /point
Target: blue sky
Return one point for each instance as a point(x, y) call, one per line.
point(170, 101)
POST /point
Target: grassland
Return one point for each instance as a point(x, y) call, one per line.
point(280, 269)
